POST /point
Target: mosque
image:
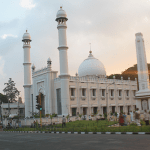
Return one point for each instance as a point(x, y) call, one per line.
point(87, 92)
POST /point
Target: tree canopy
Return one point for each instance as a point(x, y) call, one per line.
point(11, 91)
point(3, 98)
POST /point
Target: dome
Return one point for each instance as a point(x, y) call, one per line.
point(26, 36)
point(61, 14)
point(91, 66)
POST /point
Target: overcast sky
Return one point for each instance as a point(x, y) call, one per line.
point(109, 25)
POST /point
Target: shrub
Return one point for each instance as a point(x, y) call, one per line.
point(47, 115)
point(133, 124)
point(54, 115)
point(16, 117)
point(105, 115)
point(36, 116)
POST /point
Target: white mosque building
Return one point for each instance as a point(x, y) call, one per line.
point(85, 93)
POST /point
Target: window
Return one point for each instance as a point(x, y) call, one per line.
point(112, 93)
point(83, 92)
point(72, 92)
point(21, 111)
point(128, 110)
point(113, 109)
point(104, 110)
point(103, 92)
point(95, 110)
point(120, 92)
point(84, 110)
point(74, 111)
point(127, 92)
point(121, 109)
point(93, 92)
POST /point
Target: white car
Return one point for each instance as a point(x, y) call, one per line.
point(12, 115)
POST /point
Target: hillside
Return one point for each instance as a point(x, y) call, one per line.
point(130, 72)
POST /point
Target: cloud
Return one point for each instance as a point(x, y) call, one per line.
point(110, 27)
point(28, 4)
point(4, 36)
point(2, 67)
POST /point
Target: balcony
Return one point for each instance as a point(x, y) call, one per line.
point(112, 97)
point(83, 98)
point(103, 97)
point(120, 97)
point(127, 97)
point(72, 98)
point(93, 97)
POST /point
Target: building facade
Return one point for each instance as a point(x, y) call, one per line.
point(15, 109)
point(87, 92)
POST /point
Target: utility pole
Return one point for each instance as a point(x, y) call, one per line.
point(18, 107)
point(39, 106)
point(40, 110)
point(1, 112)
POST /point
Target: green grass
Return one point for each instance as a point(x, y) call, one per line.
point(88, 126)
point(84, 123)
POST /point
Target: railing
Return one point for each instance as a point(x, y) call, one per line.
point(98, 80)
point(40, 71)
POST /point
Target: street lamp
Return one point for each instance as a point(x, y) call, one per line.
point(107, 97)
point(1, 112)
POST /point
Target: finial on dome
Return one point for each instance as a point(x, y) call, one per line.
point(26, 37)
point(49, 63)
point(90, 49)
point(76, 74)
point(33, 67)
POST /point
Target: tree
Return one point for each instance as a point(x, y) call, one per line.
point(67, 118)
point(3, 98)
point(11, 91)
point(80, 115)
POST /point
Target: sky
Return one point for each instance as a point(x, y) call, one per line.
point(109, 25)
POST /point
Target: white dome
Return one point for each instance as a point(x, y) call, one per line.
point(91, 66)
point(61, 13)
point(26, 36)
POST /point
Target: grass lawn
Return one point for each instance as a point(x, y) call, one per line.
point(89, 126)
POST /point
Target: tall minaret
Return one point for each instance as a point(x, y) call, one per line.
point(143, 78)
point(61, 18)
point(27, 72)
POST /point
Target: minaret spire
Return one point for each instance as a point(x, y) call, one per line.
point(64, 105)
point(27, 72)
point(143, 95)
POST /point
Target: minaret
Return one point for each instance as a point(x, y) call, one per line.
point(143, 78)
point(27, 72)
point(61, 18)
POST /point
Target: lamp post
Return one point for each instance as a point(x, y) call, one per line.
point(107, 97)
point(1, 112)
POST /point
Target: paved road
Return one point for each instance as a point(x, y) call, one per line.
point(41, 141)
